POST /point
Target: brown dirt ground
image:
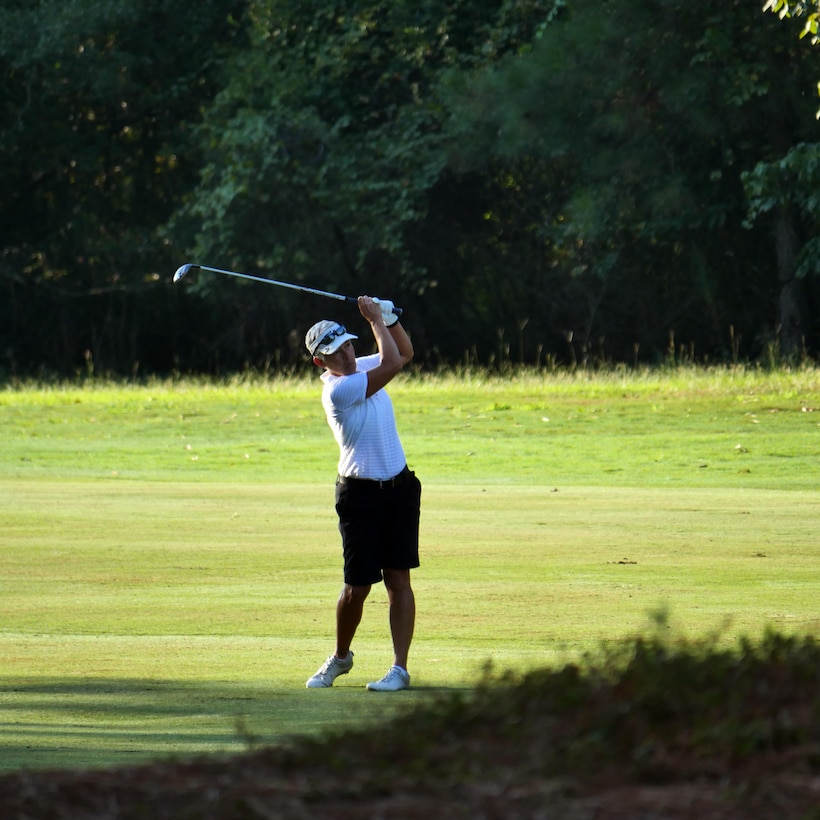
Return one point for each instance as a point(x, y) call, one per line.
point(263, 784)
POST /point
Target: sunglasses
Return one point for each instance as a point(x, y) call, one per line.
point(330, 336)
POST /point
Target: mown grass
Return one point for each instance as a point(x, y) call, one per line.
point(170, 558)
point(648, 428)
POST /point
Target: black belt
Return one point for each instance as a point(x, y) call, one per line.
point(405, 475)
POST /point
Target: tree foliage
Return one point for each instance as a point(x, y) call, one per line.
point(95, 149)
point(327, 143)
point(534, 180)
point(799, 9)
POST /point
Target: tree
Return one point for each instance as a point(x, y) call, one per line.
point(326, 148)
point(655, 108)
point(781, 189)
point(97, 102)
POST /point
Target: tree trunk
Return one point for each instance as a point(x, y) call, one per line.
point(791, 303)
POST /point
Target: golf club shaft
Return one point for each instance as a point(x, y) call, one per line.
point(181, 271)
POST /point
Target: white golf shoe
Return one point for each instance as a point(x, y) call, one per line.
point(395, 680)
point(329, 671)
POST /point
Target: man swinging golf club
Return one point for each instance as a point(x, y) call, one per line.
point(377, 496)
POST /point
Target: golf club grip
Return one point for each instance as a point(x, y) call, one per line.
point(355, 301)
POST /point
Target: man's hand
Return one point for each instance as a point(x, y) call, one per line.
point(370, 309)
point(390, 318)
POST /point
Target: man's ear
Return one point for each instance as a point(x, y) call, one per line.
point(318, 362)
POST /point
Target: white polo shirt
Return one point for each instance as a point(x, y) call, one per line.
point(364, 428)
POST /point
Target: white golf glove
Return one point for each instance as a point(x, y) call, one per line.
point(387, 306)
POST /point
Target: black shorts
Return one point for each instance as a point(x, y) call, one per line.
point(379, 525)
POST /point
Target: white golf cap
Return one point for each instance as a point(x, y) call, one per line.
point(326, 337)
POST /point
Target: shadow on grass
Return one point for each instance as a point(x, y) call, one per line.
point(92, 722)
point(649, 701)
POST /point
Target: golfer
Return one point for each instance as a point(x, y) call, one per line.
point(377, 496)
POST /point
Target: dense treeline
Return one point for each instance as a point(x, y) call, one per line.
point(569, 181)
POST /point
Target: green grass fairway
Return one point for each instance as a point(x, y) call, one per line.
point(170, 560)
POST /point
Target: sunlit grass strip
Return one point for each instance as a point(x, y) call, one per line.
point(717, 379)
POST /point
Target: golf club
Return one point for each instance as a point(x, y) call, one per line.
point(183, 270)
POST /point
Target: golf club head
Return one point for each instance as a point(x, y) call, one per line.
point(182, 270)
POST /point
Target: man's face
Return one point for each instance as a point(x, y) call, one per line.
point(342, 362)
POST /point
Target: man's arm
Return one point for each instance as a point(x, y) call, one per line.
point(395, 347)
point(402, 341)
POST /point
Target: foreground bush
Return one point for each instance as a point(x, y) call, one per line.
point(648, 710)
